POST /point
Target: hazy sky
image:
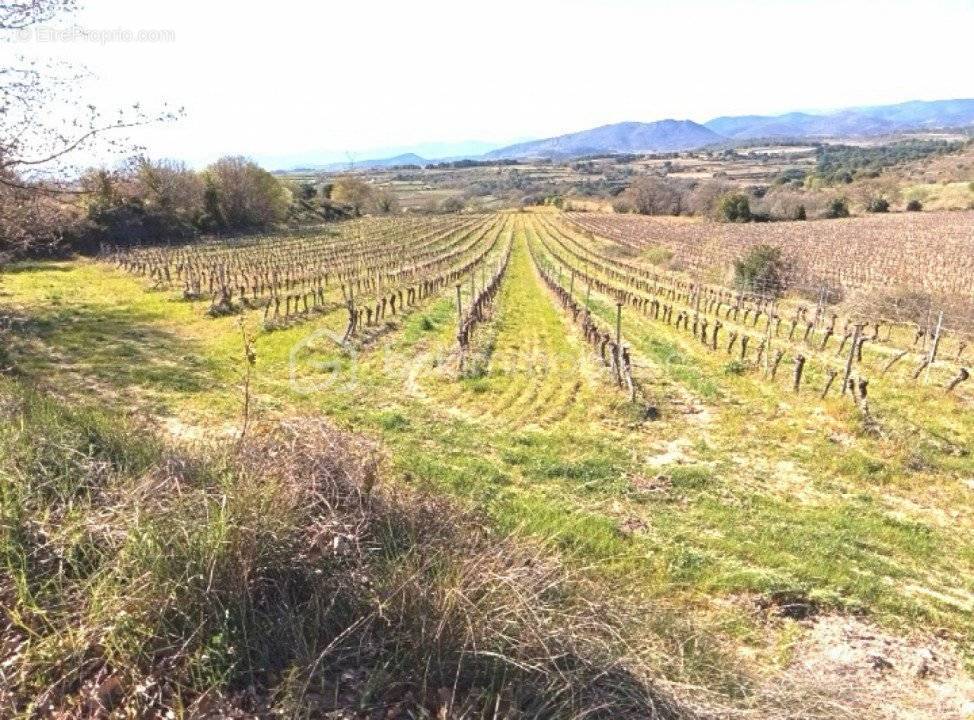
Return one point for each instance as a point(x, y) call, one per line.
point(283, 79)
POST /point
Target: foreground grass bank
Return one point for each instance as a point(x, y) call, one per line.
point(282, 578)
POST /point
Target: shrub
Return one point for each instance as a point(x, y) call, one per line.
point(837, 208)
point(786, 203)
point(706, 196)
point(143, 201)
point(914, 206)
point(622, 204)
point(734, 207)
point(243, 195)
point(657, 255)
point(790, 176)
point(761, 270)
point(657, 196)
point(878, 205)
point(452, 204)
point(734, 367)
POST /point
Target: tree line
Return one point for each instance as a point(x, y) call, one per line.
point(51, 201)
point(149, 201)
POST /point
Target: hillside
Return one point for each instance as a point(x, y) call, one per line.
point(918, 114)
point(863, 121)
point(373, 164)
point(625, 137)
point(800, 125)
point(678, 135)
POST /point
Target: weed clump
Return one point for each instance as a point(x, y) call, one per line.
point(281, 579)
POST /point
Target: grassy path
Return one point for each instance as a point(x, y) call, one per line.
point(536, 373)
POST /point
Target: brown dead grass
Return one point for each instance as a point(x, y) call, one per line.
point(873, 673)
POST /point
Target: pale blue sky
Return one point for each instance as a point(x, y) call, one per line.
point(280, 81)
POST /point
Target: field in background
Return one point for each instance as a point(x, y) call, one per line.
point(941, 181)
point(896, 253)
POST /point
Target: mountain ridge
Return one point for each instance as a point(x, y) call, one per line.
point(659, 136)
point(670, 135)
point(862, 121)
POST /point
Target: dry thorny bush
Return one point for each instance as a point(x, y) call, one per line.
point(283, 580)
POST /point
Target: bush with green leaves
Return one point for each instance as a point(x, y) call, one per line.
point(837, 208)
point(734, 207)
point(914, 205)
point(762, 270)
point(734, 367)
point(878, 205)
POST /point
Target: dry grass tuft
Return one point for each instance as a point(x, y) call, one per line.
point(285, 580)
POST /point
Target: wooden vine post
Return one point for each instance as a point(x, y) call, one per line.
point(962, 375)
point(926, 328)
point(460, 324)
point(767, 344)
point(618, 349)
point(852, 356)
point(799, 367)
point(819, 306)
point(932, 357)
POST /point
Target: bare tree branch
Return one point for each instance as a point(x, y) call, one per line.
point(19, 15)
point(49, 133)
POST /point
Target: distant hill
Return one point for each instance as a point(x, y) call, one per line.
point(625, 137)
point(404, 159)
point(677, 135)
point(920, 114)
point(800, 125)
point(851, 122)
point(374, 164)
